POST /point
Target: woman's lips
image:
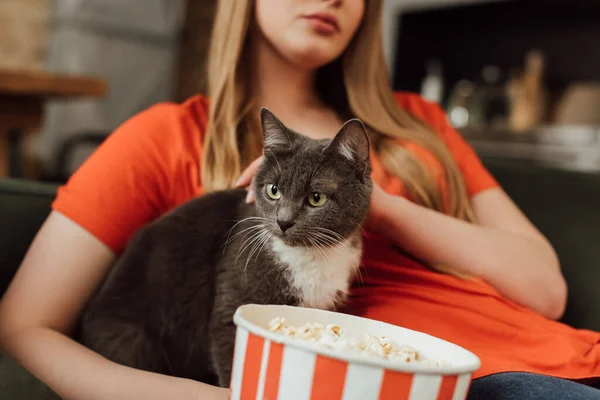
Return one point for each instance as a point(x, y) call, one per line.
point(323, 23)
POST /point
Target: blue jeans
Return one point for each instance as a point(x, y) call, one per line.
point(525, 386)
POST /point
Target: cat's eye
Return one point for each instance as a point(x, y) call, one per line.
point(316, 199)
point(273, 191)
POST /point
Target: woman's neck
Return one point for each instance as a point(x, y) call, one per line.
point(280, 86)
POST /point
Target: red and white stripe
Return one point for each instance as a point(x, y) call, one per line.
point(265, 370)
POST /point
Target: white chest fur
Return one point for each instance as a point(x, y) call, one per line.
point(320, 275)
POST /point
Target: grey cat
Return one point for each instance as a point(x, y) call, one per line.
point(167, 305)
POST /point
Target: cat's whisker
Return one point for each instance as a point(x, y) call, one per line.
point(248, 219)
point(318, 248)
point(332, 233)
point(359, 276)
point(322, 232)
point(365, 235)
point(250, 233)
point(256, 248)
point(315, 246)
point(241, 221)
point(344, 247)
point(265, 159)
point(362, 229)
point(265, 241)
point(244, 230)
point(318, 165)
point(247, 244)
point(327, 242)
point(276, 160)
point(319, 168)
point(332, 241)
point(254, 244)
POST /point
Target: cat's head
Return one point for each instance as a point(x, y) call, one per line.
point(313, 191)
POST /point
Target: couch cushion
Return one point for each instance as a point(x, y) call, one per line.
point(24, 205)
point(18, 384)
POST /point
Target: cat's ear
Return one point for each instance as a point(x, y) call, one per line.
point(352, 142)
point(276, 135)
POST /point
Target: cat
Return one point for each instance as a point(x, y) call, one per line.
point(167, 305)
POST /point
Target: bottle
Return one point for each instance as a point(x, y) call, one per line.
point(432, 87)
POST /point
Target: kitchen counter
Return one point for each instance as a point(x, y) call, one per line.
point(569, 148)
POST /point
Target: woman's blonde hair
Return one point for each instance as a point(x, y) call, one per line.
point(355, 85)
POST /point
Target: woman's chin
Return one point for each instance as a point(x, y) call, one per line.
point(311, 57)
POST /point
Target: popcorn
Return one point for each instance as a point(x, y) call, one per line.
point(385, 344)
point(276, 324)
point(333, 337)
point(334, 330)
point(309, 331)
point(289, 331)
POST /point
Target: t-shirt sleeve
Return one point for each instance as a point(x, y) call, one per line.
point(125, 183)
point(477, 178)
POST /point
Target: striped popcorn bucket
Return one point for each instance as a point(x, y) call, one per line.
point(271, 366)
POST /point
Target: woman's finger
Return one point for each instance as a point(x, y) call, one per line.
point(250, 196)
point(246, 177)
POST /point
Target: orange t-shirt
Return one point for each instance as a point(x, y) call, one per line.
point(151, 164)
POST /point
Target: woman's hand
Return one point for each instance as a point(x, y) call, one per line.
point(213, 393)
point(245, 180)
point(379, 210)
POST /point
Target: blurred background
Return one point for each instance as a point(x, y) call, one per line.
point(520, 79)
point(82, 67)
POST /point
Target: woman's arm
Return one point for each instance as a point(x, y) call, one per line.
point(503, 248)
point(61, 270)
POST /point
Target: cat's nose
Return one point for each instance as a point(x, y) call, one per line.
point(285, 224)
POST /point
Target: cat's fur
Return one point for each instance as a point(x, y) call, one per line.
point(167, 304)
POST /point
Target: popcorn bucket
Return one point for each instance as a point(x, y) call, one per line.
point(271, 366)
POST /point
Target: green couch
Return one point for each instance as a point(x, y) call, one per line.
point(564, 205)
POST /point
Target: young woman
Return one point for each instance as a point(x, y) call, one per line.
point(315, 63)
